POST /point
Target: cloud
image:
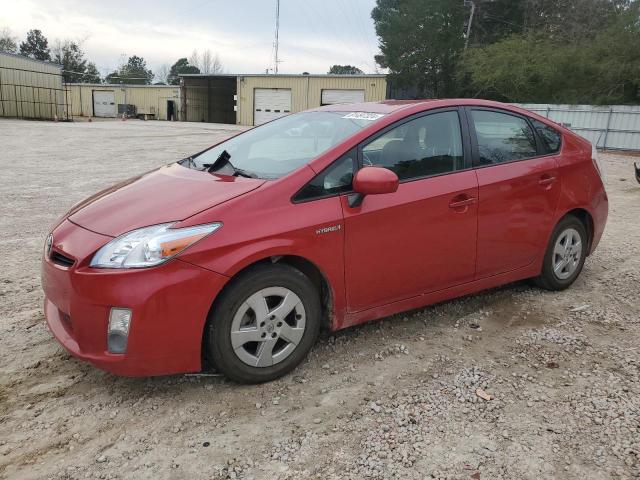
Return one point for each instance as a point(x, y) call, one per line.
point(241, 32)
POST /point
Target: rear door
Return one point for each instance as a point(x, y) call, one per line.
point(519, 189)
point(104, 103)
point(270, 103)
point(421, 238)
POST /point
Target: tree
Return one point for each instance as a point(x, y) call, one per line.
point(494, 20)
point(207, 63)
point(91, 74)
point(181, 66)
point(559, 19)
point(75, 68)
point(345, 70)
point(421, 42)
point(133, 72)
point(7, 41)
point(36, 46)
point(162, 75)
point(542, 68)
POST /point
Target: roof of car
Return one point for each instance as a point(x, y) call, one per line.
point(384, 106)
point(389, 106)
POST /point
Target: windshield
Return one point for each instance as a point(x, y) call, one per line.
point(274, 149)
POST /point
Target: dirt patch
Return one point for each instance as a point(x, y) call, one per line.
point(396, 398)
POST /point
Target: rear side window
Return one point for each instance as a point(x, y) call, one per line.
point(429, 145)
point(333, 180)
point(502, 137)
point(550, 137)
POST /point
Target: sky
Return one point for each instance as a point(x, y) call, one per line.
point(314, 34)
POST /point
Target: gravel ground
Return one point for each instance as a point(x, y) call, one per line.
point(397, 398)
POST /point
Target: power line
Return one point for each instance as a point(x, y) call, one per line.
point(361, 29)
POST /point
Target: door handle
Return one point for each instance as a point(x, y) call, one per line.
point(461, 201)
point(546, 180)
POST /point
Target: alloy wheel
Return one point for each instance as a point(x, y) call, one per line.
point(268, 326)
point(567, 253)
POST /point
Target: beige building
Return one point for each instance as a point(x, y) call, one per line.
point(256, 99)
point(159, 102)
point(30, 88)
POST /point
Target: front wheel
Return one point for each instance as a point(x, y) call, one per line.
point(264, 324)
point(565, 256)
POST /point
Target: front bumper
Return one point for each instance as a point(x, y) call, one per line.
point(169, 304)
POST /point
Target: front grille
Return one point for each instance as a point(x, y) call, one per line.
point(62, 260)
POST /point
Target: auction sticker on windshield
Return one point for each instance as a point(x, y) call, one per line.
point(364, 116)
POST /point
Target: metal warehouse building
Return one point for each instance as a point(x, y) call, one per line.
point(30, 88)
point(256, 99)
point(159, 102)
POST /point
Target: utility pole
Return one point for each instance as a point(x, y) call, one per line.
point(277, 34)
point(469, 3)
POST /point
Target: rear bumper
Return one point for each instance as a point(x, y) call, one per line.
point(169, 305)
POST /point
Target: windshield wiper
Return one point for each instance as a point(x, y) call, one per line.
point(239, 172)
point(222, 161)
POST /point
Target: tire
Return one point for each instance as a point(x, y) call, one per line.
point(568, 231)
point(271, 335)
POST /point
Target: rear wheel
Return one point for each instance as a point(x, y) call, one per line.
point(264, 324)
point(565, 255)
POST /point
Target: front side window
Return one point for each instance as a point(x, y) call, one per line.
point(502, 137)
point(335, 179)
point(276, 148)
point(429, 145)
point(551, 138)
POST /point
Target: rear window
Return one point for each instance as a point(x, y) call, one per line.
point(551, 138)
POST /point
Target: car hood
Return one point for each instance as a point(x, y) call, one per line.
point(170, 193)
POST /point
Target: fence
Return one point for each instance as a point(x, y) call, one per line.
point(611, 127)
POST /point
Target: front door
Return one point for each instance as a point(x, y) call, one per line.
point(421, 238)
point(519, 190)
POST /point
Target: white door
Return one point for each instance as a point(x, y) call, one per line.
point(104, 103)
point(270, 103)
point(334, 97)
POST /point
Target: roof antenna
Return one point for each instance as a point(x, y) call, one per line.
point(277, 33)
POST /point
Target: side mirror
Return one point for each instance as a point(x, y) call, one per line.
point(372, 181)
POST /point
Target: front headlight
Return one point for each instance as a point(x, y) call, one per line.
point(149, 246)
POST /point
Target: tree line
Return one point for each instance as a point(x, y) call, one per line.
point(76, 68)
point(539, 51)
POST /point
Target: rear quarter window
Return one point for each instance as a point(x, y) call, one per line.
point(550, 137)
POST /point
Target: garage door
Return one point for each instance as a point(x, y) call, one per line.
point(104, 103)
point(270, 103)
point(333, 97)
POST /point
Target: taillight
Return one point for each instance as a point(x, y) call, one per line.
point(595, 158)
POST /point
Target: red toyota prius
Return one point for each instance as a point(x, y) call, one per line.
point(237, 256)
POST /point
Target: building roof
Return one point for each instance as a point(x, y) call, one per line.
point(22, 57)
point(122, 85)
point(281, 75)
